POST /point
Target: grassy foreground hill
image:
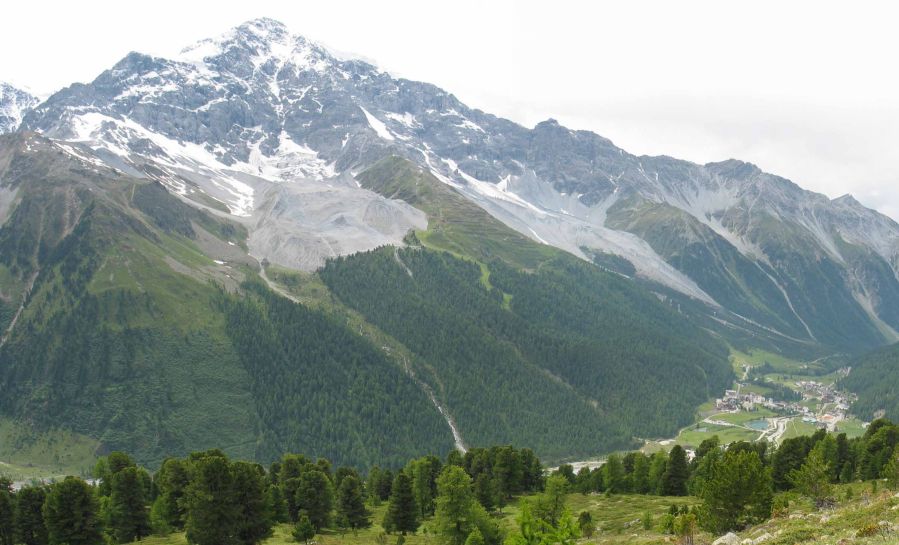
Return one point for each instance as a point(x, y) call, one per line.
point(864, 518)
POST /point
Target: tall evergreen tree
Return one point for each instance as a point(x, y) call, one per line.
point(351, 504)
point(657, 465)
point(211, 510)
point(315, 497)
point(30, 527)
point(812, 479)
point(171, 481)
point(674, 480)
point(455, 515)
point(71, 514)
point(128, 516)
point(7, 517)
point(614, 478)
point(738, 493)
point(402, 513)
point(254, 521)
point(550, 505)
point(640, 476)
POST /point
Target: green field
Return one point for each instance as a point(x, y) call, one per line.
point(742, 417)
point(796, 428)
point(754, 358)
point(852, 427)
point(694, 435)
point(26, 455)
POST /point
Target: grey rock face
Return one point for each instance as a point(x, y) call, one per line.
point(14, 104)
point(233, 116)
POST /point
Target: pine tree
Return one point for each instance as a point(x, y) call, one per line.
point(277, 503)
point(454, 517)
point(128, 517)
point(550, 505)
point(351, 504)
point(613, 474)
point(737, 493)
point(485, 490)
point(475, 537)
point(254, 521)
point(657, 465)
point(71, 514)
point(7, 517)
point(891, 471)
point(812, 479)
point(171, 481)
point(30, 527)
point(211, 511)
point(402, 513)
point(640, 476)
point(674, 480)
point(303, 530)
point(315, 497)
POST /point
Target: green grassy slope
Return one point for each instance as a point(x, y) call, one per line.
point(127, 338)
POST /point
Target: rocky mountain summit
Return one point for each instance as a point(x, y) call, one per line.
point(14, 104)
point(271, 128)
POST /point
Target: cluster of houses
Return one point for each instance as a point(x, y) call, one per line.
point(834, 404)
point(733, 400)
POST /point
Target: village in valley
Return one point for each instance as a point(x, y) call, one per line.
point(774, 398)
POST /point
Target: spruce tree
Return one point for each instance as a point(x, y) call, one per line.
point(402, 512)
point(71, 514)
point(30, 527)
point(128, 517)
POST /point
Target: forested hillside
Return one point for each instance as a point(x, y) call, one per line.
point(568, 355)
point(134, 336)
point(145, 326)
point(875, 378)
point(314, 382)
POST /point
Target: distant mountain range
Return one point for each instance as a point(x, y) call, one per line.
point(275, 152)
point(232, 118)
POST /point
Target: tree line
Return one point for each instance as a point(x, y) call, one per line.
point(738, 483)
point(218, 501)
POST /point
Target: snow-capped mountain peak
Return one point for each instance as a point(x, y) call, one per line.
point(259, 106)
point(266, 43)
point(14, 104)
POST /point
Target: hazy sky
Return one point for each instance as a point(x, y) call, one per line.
point(805, 89)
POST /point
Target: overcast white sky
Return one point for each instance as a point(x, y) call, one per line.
point(805, 89)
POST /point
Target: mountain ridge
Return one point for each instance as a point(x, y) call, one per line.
point(258, 106)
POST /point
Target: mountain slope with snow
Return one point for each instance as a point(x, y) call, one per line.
point(250, 122)
point(14, 104)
